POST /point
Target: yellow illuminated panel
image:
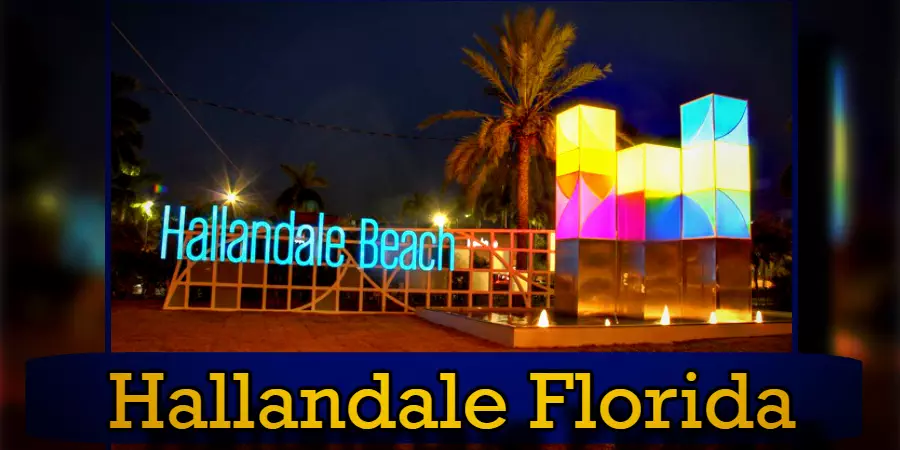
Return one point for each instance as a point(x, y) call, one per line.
point(597, 129)
point(697, 168)
point(601, 162)
point(567, 130)
point(567, 162)
point(663, 171)
point(732, 166)
point(630, 170)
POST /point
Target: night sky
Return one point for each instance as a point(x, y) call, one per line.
point(386, 66)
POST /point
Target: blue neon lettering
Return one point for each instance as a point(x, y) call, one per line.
point(166, 231)
point(306, 235)
point(443, 235)
point(390, 243)
point(239, 242)
point(408, 255)
point(422, 251)
point(200, 238)
point(371, 243)
point(320, 237)
point(255, 239)
point(334, 245)
point(212, 233)
point(216, 238)
point(290, 227)
point(223, 236)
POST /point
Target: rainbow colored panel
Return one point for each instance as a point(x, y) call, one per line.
point(715, 163)
point(586, 173)
point(663, 192)
point(732, 162)
point(649, 190)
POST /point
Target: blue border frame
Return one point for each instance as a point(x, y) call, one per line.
point(794, 156)
point(795, 339)
point(108, 180)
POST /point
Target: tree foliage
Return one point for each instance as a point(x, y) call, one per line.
point(526, 71)
point(301, 195)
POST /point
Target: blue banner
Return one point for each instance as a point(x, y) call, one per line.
point(443, 397)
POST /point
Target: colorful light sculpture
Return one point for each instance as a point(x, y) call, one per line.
point(586, 173)
point(652, 230)
point(649, 193)
point(715, 168)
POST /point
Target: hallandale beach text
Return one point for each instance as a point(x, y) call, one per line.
point(216, 238)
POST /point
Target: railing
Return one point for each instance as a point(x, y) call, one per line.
point(484, 276)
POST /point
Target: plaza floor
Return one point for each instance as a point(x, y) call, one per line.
point(142, 326)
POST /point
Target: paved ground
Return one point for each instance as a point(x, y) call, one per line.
point(142, 326)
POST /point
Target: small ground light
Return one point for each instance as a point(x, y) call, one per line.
point(606, 322)
point(712, 318)
point(543, 320)
point(758, 318)
point(147, 207)
point(664, 320)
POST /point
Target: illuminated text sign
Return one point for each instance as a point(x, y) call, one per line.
point(216, 238)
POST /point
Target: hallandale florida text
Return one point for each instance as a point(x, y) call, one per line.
point(216, 238)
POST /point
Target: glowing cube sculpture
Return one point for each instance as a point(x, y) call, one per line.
point(586, 211)
point(652, 228)
point(715, 168)
point(586, 173)
point(649, 193)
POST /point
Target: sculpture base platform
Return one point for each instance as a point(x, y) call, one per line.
point(517, 328)
point(640, 280)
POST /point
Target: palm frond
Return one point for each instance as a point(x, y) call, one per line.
point(523, 68)
point(480, 64)
point(494, 55)
point(295, 175)
point(474, 188)
point(458, 165)
point(554, 53)
point(452, 115)
point(578, 76)
point(317, 182)
point(548, 139)
point(510, 57)
point(524, 23)
point(545, 27)
point(624, 137)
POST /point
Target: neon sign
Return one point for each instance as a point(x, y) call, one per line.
point(218, 238)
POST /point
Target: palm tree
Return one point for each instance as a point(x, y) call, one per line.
point(301, 195)
point(128, 179)
point(497, 194)
point(125, 195)
point(127, 116)
point(417, 206)
point(526, 72)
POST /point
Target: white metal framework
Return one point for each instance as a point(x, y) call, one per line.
point(484, 276)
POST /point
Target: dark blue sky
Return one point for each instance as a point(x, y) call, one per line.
point(386, 66)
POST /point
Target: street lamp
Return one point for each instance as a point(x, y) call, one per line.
point(439, 219)
point(147, 208)
point(231, 197)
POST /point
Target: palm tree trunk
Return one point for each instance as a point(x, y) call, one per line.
point(522, 201)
